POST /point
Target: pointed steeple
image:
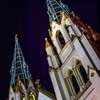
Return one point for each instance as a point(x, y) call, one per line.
point(55, 8)
point(19, 67)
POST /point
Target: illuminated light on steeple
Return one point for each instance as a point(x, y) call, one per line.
point(19, 67)
point(55, 8)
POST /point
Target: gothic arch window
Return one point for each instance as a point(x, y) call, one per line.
point(82, 71)
point(68, 32)
point(60, 39)
point(31, 96)
point(75, 84)
point(83, 74)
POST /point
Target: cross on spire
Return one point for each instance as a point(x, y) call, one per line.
point(19, 67)
point(55, 8)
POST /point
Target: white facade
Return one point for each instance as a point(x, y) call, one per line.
point(41, 96)
point(20, 92)
point(76, 78)
point(45, 96)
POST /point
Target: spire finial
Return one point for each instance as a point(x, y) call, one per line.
point(47, 44)
point(16, 36)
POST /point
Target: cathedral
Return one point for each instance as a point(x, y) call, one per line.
point(73, 56)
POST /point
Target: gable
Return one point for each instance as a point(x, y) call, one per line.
point(42, 96)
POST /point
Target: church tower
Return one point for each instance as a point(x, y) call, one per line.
point(73, 56)
point(21, 85)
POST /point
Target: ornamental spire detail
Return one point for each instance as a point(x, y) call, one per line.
point(19, 67)
point(55, 8)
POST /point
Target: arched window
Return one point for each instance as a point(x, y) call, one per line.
point(75, 84)
point(68, 31)
point(60, 39)
point(83, 73)
point(31, 96)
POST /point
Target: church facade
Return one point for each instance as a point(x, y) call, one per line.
point(73, 55)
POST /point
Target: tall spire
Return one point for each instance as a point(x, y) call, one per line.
point(55, 8)
point(19, 67)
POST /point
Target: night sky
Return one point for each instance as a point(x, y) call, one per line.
point(29, 18)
